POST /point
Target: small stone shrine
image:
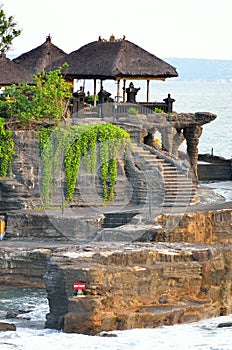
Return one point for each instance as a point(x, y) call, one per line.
point(131, 92)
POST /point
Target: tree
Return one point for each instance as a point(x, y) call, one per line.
point(8, 31)
point(46, 98)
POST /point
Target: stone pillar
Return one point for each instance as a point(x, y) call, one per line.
point(192, 135)
point(177, 141)
point(167, 134)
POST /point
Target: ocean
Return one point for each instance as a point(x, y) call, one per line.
point(215, 97)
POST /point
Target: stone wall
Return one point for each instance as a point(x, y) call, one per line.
point(21, 189)
point(215, 172)
point(52, 225)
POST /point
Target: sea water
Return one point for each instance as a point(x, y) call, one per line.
point(215, 97)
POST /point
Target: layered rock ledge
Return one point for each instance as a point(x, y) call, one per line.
point(128, 285)
point(176, 269)
point(138, 285)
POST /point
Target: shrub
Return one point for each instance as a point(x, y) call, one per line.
point(6, 149)
point(133, 111)
point(158, 110)
point(47, 98)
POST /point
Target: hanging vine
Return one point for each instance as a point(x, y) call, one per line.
point(6, 149)
point(80, 142)
point(46, 149)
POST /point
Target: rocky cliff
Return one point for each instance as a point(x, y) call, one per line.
point(130, 284)
point(139, 285)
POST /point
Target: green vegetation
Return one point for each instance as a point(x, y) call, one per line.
point(133, 111)
point(8, 31)
point(91, 98)
point(158, 110)
point(6, 149)
point(47, 98)
point(92, 143)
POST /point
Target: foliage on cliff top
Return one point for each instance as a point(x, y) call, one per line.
point(94, 144)
point(45, 100)
point(6, 149)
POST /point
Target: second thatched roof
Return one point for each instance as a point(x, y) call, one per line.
point(12, 73)
point(40, 57)
point(115, 59)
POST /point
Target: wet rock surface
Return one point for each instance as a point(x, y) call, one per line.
point(225, 324)
point(4, 327)
point(15, 313)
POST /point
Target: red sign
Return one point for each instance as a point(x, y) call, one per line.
point(79, 285)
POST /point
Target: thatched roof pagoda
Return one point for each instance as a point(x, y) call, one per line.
point(40, 57)
point(116, 59)
point(12, 73)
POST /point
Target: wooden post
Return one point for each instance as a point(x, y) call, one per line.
point(94, 92)
point(118, 91)
point(148, 90)
point(124, 90)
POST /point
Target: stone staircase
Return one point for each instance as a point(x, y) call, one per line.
point(178, 189)
point(157, 182)
point(14, 195)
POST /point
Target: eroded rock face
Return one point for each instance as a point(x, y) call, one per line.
point(138, 285)
point(22, 267)
point(212, 227)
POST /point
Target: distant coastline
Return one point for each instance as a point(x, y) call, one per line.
point(202, 69)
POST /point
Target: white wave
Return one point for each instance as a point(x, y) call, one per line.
point(193, 336)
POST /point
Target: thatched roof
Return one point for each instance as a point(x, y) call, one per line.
point(118, 59)
point(12, 73)
point(39, 58)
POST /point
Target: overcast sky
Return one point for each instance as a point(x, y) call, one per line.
point(166, 28)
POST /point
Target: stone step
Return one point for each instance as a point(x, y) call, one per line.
point(189, 193)
point(177, 197)
point(147, 159)
point(179, 189)
point(177, 180)
point(177, 203)
point(11, 204)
